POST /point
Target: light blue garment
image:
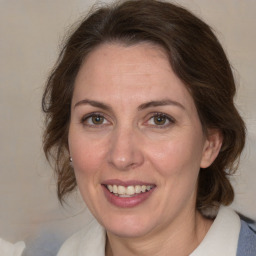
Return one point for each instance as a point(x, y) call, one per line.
point(247, 241)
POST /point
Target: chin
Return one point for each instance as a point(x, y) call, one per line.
point(128, 226)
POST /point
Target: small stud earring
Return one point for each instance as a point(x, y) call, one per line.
point(71, 162)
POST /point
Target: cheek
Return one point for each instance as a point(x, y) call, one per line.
point(87, 162)
point(176, 156)
point(87, 156)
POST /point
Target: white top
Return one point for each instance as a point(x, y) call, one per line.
point(221, 239)
point(9, 249)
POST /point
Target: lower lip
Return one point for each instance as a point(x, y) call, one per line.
point(127, 202)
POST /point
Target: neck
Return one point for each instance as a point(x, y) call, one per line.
point(180, 238)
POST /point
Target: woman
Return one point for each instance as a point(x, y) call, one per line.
point(140, 116)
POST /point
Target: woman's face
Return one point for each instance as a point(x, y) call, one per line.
point(136, 140)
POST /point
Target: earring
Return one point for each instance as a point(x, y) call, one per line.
point(71, 162)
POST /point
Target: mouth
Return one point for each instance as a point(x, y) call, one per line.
point(129, 191)
point(127, 194)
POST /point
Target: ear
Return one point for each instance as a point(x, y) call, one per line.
point(212, 147)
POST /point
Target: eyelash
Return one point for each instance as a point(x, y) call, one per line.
point(168, 118)
point(85, 119)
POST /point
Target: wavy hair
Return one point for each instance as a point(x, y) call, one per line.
point(196, 57)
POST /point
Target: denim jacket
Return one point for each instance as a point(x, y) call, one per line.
point(247, 241)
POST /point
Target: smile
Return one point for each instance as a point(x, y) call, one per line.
point(126, 194)
point(129, 191)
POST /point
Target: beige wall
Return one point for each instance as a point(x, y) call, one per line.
point(30, 32)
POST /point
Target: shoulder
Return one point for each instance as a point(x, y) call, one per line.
point(88, 241)
point(247, 240)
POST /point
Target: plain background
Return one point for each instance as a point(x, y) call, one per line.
point(31, 32)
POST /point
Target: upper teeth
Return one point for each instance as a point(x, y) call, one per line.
point(130, 190)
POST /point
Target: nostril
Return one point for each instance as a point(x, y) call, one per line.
point(124, 153)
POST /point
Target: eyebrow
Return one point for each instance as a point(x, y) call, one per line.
point(94, 104)
point(158, 103)
point(149, 104)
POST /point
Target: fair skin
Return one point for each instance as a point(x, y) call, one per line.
point(134, 123)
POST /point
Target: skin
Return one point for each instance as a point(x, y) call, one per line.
point(128, 144)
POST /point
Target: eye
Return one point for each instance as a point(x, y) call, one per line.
point(97, 119)
point(161, 120)
point(94, 120)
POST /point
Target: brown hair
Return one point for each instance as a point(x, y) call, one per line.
point(196, 57)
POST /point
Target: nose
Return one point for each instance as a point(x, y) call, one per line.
point(125, 151)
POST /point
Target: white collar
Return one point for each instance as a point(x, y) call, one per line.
point(90, 240)
point(221, 239)
point(9, 249)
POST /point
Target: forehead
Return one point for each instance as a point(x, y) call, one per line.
point(116, 60)
point(141, 72)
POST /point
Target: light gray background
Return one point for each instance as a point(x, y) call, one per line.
point(30, 33)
